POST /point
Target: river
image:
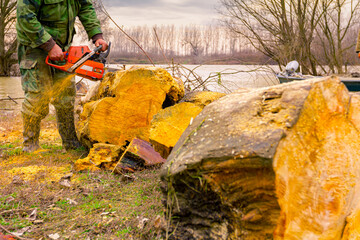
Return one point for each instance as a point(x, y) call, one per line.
point(231, 78)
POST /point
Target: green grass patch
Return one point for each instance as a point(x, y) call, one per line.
point(96, 206)
point(13, 152)
point(7, 145)
point(102, 206)
point(51, 146)
point(123, 232)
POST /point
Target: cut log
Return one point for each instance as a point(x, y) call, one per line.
point(274, 163)
point(140, 149)
point(168, 125)
point(352, 228)
point(103, 156)
point(202, 99)
point(126, 103)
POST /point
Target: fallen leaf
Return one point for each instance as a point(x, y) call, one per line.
point(158, 222)
point(17, 180)
point(33, 215)
point(142, 222)
point(54, 236)
point(71, 202)
point(65, 183)
point(67, 176)
point(21, 231)
point(128, 178)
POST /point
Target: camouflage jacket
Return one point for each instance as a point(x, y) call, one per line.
point(39, 21)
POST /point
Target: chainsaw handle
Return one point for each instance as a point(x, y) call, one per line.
point(98, 48)
point(61, 67)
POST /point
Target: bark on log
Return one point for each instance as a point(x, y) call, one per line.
point(202, 99)
point(126, 103)
point(274, 163)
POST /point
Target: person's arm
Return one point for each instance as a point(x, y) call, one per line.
point(91, 23)
point(29, 26)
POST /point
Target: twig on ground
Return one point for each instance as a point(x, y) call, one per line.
point(12, 99)
point(15, 210)
point(122, 156)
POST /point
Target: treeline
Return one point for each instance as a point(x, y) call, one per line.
point(321, 35)
point(190, 44)
point(193, 44)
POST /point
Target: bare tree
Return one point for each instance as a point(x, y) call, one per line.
point(193, 38)
point(104, 20)
point(188, 43)
point(339, 19)
point(8, 41)
point(285, 29)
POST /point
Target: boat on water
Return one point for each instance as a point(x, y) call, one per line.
point(290, 74)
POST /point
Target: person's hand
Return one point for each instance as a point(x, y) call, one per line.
point(103, 43)
point(56, 54)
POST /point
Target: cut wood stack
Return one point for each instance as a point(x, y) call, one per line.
point(274, 163)
point(124, 107)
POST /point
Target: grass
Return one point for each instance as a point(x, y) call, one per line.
point(96, 206)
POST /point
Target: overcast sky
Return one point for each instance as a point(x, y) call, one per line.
point(152, 12)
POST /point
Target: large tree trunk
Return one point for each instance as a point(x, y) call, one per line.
point(8, 40)
point(281, 162)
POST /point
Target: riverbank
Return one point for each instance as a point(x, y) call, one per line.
point(41, 197)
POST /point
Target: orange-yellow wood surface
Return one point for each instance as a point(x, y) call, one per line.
point(352, 228)
point(317, 167)
point(168, 125)
point(281, 162)
point(101, 155)
point(128, 101)
point(204, 98)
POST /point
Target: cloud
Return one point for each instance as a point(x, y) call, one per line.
point(151, 12)
point(159, 3)
point(132, 3)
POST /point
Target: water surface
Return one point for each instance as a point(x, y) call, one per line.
point(231, 77)
point(10, 86)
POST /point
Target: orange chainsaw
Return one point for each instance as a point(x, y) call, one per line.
point(83, 62)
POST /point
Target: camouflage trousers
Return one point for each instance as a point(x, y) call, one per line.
point(43, 84)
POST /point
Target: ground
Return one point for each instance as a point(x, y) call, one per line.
point(94, 206)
